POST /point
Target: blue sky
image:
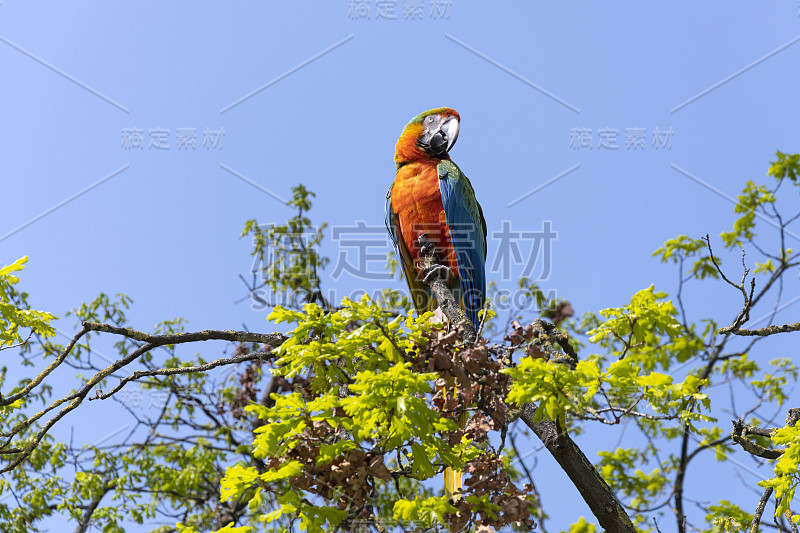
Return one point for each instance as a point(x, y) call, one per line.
point(318, 92)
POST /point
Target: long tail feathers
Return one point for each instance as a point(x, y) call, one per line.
point(454, 479)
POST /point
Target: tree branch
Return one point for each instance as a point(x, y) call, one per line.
point(431, 258)
point(86, 519)
point(76, 398)
point(762, 332)
point(595, 491)
point(263, 356)
point(593, 488)
point(740, 431)
point(762, 503)
point(44, 373)
point(270, 339)
point(744, 316)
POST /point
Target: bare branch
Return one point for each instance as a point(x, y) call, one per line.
point(593, 488)
point(744, 315)
point(762, 332)
point(546, 331)
point(271, 339)
point(760, 510)
point(86, 519)
point(740, 286)
point(264, 356)
point(76, 398)
point(44, 373)
point(739, 434)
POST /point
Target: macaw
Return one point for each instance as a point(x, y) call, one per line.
point(433, 199)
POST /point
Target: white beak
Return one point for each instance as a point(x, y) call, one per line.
point(450, 128)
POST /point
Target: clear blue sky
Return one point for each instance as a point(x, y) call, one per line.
point(318, 92)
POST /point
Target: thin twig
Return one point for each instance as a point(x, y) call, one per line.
point(263, 356)
point(762, 332)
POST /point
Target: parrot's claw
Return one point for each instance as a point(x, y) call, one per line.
point(427, 247)
point(434, 272)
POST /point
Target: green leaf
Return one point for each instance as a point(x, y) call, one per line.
point(421, 465)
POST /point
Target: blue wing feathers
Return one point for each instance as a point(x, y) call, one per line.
point(468, 235)
point(388, 218)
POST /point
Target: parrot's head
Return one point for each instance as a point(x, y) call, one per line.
point(429, 134)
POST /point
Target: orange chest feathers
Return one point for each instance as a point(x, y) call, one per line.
point(417, 201)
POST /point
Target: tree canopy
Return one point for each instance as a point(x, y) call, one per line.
point(333, 417)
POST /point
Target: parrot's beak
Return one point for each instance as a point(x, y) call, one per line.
point(443, 137)
point(450, 130)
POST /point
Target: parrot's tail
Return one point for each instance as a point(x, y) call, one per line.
point(454, 479)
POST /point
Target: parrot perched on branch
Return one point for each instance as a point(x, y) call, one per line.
point(432, 201)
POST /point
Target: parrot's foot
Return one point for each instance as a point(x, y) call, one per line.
point(426, 246)
point(434, 272)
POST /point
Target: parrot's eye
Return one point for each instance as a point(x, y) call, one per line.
point(429, 119)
